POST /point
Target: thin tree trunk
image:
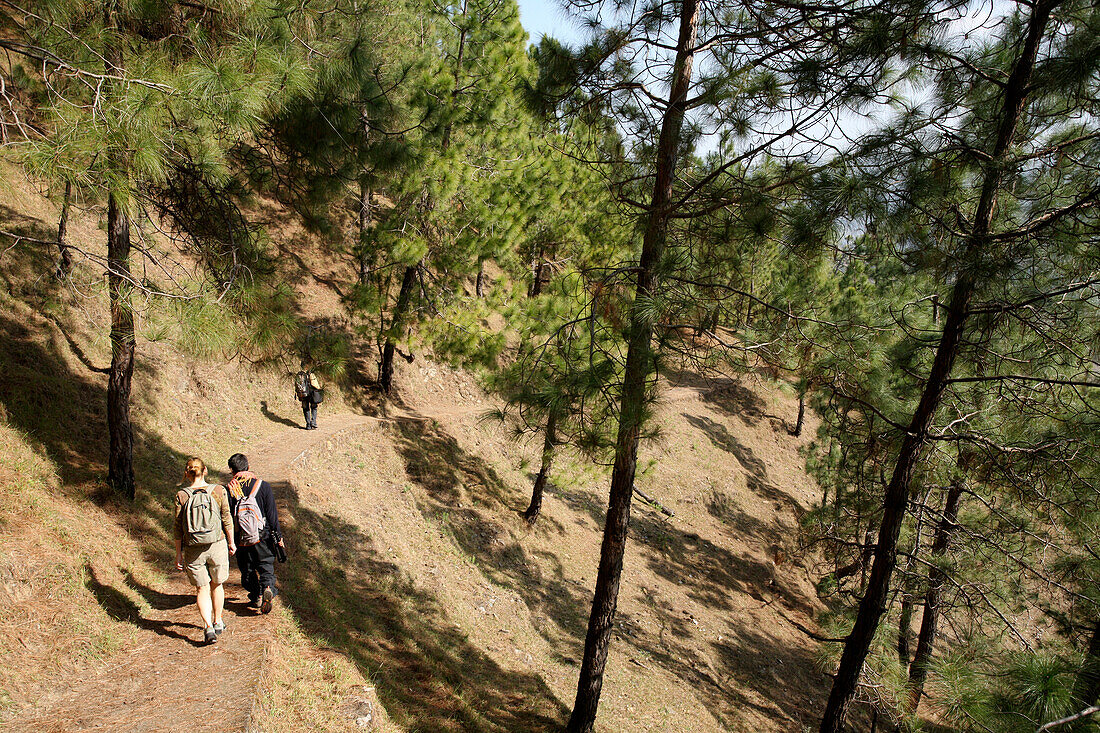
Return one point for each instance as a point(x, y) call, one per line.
point(639, 361)
point(536, 284)
point(65, 264)
point(548, 446)
point(536, 275)
point(905, 624)
point(918, 671)
point(905, 618)
point(400, 310)
point(869, 545)
point(479, 285)
point(749, 300)
point(873, 604)
point(797, 431)
point(408, 280)
point(1087, 687)
point(366, 216)
point(458, 72)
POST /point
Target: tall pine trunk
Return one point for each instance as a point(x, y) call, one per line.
point(918, 671)
point(548, 446)
point(65, 262)
point(873, 604)
point(120, 464)
point(632, 402)
point(397, 322)
point(120, 458)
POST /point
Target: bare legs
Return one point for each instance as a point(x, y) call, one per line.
point(218, 594)
point(202, 595)
point(211, 601)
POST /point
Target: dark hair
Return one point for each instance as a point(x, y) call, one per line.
point(238, 463)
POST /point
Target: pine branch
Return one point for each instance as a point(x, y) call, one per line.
point(1091, 710)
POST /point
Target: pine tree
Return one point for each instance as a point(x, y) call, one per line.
point(137, 94)
point(1015, 245)
point(644, 74)
point(556, 382)
point(456, 208)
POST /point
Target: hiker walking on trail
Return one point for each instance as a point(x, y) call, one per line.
point(310, 392)
point(258, 537)
point(204, 542)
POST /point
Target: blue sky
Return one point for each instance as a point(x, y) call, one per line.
point(547, 17)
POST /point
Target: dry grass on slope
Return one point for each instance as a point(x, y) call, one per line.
point(416, 598)
point(77, 565)
point(415, 566)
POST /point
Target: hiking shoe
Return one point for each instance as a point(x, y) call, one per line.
point(219, 629)
point(253, 602)
point(265, 604)
point(211, 636)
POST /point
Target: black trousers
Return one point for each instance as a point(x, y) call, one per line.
point(257, 564)
point(309, 410)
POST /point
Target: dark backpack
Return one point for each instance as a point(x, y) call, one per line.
point(301, 385)
point(201, 518)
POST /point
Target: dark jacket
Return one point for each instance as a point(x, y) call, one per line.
point(265, 497)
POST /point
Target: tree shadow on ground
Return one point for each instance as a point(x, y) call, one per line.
point(725, 509)
point(746, 672)
point(756, 473)
point(466, 495)
point(28, 266)
point(361, 392)
point(266, 412)
point(711, 574)
point(779, 679)
point(426, 672)
point(119, 607)
point(290, 249)
point(62, 413)
point(727, 394)
point(155, 598)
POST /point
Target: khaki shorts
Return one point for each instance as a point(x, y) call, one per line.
point(207, 563)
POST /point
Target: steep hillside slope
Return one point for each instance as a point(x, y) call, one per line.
point(416, 598)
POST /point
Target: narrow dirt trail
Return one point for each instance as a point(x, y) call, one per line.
point(166, 679)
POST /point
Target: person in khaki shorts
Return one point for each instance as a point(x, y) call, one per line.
point(206, 563)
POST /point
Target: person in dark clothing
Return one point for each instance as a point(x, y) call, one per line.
point(306, 386)
point(255, 560)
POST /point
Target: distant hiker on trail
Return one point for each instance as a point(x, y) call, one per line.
point(253, 505)
point(310, 392)
point(204, 542)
